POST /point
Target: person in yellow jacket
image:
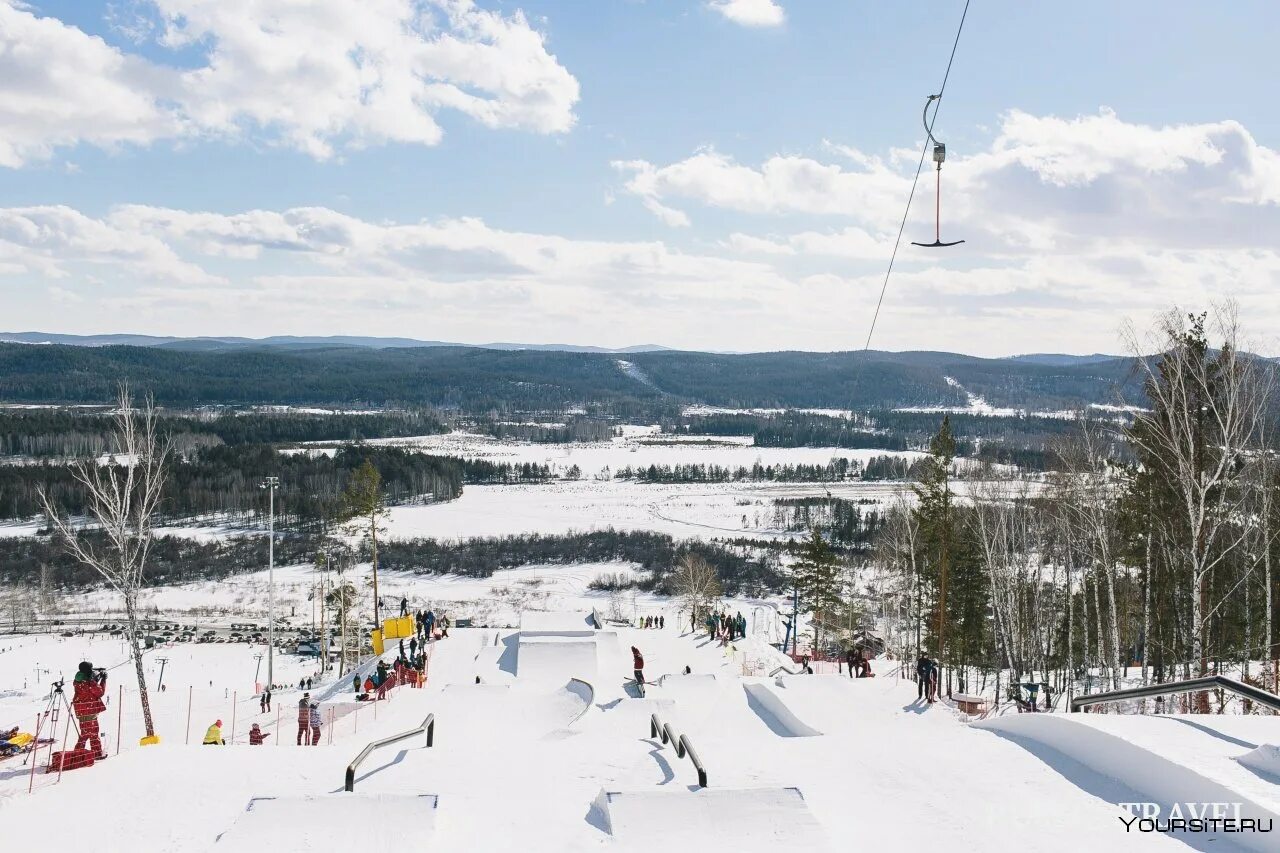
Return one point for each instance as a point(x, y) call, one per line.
point(213, 737)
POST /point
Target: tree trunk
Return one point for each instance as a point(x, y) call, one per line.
point(131, 619)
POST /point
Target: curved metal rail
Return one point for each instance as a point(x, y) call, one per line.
point(681, 742)
point(591, 698)
point(428, 726)
point(1191, 685)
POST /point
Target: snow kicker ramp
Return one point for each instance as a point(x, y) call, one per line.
point(1117, 771)
point(761, 820)
point(331, 822)
point(775, 713)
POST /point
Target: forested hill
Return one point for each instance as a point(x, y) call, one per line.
point(477, 379)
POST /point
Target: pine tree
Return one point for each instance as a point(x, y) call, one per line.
point(935, 513)
point(363, 505)
point(816, 580)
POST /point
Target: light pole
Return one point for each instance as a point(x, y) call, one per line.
point(257, 669)
point(270, 484)
point(160, 682)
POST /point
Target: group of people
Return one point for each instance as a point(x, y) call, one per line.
point(308, 721)
point(427, 622)
point(727, 628)
point(658, 622)
point(859, 665)
point(926, 679)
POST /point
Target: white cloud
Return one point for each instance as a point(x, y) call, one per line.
point(317, 76)
point(750, 13)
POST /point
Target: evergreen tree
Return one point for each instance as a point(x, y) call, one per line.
point(363, 505)
point(816, 580)
point(935, 514)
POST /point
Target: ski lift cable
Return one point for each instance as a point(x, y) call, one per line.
point(936, 100)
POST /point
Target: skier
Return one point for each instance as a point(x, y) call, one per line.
point(315, 724)
point(638, 660)
point(87, 704)
point(213, 737)
point(257, 735)
point(304, 719)
point(922, 676)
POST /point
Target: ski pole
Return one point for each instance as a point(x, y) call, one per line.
point(119, 714)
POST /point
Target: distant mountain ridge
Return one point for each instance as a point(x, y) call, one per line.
point(213, 344)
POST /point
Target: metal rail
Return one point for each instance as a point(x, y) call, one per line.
point(681, 743)
point(1192, 685)
point(428, 726)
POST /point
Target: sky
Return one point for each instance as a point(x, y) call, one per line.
point(700, 174)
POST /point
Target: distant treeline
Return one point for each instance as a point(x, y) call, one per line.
point(43, 433)
point(835, 471)
point(574, 429)
point(1018, 440)
point(655, 552)
point(844, 522)
point(34, 561)
point(227, 480)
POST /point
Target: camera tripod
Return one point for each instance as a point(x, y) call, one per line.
point(57, 701)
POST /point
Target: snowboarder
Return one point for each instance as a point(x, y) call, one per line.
point(257, 735)
point(315, 724)
point(213, 736)
point(87, 704)
point(304, 719)
point(638, 660)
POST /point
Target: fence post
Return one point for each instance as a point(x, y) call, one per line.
point(277, 724)
point(188, 738)
point(235, 694)
point(119, 714)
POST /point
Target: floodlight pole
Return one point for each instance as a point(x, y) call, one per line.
point(270, 484)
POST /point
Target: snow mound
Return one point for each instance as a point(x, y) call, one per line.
point(330, 822)
point(1265, 760)
point(760, 820)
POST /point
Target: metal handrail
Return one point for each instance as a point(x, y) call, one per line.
point(428, 726)
point(681, 743)
point(1192, 685)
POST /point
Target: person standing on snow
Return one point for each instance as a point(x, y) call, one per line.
point(304, 719)
point(637, 660)
point(257, 735)
point(922, 676)
point(404, 607)
point(315, 724)
point(851, 660)
point(87, 704)
point(413, 647)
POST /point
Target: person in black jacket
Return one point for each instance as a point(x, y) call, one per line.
point(923, 668)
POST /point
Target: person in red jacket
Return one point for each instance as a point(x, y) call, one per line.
point(257, 735)
point(638, 660)
point(304, 720)
point(87, 704)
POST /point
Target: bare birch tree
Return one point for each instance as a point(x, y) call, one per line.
point(121, 500)
point(697, 585)
point(1206, 410)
